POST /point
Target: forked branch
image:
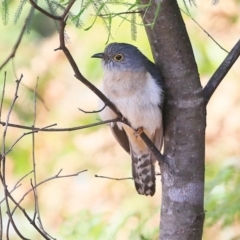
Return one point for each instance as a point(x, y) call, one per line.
point(221, 72)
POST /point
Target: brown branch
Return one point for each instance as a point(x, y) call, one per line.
point(17, 204)
point(118, 179)
point(3, 165)
point(119, 13)
point(204, 30)
point(95, 111)
point(15, 48)
point(26, 215)
point(48, 129)
point(34, 4)
point(34, 182)
point(23, 135)
point(3, 93)
point(1, 224)
point(56, 176)
point(17, 185)
point(221, 72)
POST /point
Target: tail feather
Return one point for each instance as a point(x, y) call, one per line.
point(143, 174)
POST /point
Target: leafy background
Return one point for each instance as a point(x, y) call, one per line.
point(86, 207)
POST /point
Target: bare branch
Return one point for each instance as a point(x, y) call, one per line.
point(3, 93)
point(34, 4)
point(95, 111)
point(23, 135)
point(3, 164)
point(56, 176)
point(66, 11)
point(17, 185)
point(8, 115)
point(15, 48)
point(17, 204)
point(1, 224)
point(34, 182)
point(221, 72)
point(119, 13)
point(118, 179)
point(204, 30)
point(48, 129)
point(26, 215)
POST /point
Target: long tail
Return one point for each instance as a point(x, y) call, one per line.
point(143, 174)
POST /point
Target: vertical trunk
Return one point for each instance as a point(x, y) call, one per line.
point(182, 213)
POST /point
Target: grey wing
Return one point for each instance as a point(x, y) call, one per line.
point(156, 74)
point(121, 136)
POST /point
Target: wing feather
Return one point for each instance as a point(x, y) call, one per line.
point(121, 136)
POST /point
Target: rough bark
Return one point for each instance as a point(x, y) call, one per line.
point(182, 213)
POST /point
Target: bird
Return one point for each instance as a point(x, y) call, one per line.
point(134, 85)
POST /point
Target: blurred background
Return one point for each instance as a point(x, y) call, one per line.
point(89, 207)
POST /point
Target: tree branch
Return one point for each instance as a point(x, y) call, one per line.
point(12, 55)
point(48, 129)
point(221, 72)
point(34, 4)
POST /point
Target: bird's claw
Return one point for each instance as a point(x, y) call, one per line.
point(138, 132)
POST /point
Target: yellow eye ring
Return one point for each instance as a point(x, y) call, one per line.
point(118, 57)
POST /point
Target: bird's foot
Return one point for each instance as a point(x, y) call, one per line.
point(138, 132)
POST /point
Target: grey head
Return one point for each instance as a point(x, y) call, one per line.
point(122, 56)
point(126, 57)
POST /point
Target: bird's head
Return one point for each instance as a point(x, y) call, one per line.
point(123, 57)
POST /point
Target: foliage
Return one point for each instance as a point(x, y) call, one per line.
point(106, 10)
point(86, 226)
point(223, 195)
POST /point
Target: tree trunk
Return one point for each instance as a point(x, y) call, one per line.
point(182, 213)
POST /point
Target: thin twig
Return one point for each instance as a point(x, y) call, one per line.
point(48, 129)
point(17, 204)
point(15, 48)
point(221, 72)
point(17, 185)
point(94, 111)
point(35, 201)
point(3, 93)
point(34, 183)
point(1, 223)
point(204, 30)
point(26, 215)
point(119, 13)
point(23, 135)
point(34, 4)
point(3, 165)
point(118, 179)
point(56, 176)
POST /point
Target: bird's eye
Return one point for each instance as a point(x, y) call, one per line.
point(118, 57)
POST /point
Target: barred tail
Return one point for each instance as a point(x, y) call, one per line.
point(143, 174)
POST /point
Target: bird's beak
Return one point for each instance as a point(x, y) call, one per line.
point(98, 55)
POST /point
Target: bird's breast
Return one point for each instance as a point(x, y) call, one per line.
point(136, 95)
